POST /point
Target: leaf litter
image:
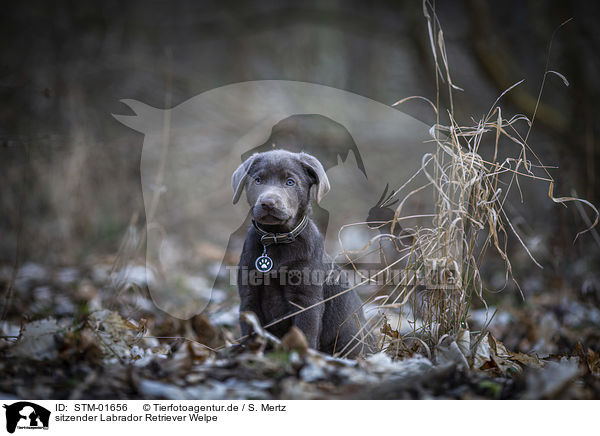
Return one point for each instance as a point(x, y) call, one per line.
point(104, 354)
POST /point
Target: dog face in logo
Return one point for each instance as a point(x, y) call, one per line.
point(27, 414)
point(190, 151)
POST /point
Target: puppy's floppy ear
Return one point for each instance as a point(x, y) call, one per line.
point(238, 179)
point(314, 167)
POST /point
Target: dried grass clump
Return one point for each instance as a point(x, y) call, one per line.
point(442, 261)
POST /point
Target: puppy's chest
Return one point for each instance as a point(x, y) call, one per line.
point(273, 301)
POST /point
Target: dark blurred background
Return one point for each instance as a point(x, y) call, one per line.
point(70, 171)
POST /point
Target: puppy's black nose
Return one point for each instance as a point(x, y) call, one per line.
point(267, 203)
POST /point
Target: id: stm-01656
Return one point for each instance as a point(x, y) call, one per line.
point(84, 407)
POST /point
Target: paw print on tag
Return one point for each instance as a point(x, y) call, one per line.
point(263, 264)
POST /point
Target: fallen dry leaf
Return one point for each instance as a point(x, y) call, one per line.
point(294, 340)
point(36, 340)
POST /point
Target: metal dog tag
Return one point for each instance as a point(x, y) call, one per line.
point(264, 263)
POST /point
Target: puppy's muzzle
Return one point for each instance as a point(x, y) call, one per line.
point(270, 202)
point(270, 207)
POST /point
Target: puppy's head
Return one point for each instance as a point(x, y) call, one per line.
point(279, 184)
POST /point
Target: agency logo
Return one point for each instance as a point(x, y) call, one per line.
point(26, 415)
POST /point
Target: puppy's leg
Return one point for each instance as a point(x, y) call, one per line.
point(309, 321)
point(249, 302)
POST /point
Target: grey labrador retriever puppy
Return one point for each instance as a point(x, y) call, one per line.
point(283, 266)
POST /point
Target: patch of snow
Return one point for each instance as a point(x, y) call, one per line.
point(228, 318)
point(30, 272)
point(67, 275)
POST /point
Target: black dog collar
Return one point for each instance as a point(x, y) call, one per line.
point(268, 238)
point(264, 263)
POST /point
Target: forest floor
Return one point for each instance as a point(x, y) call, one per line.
point(66, 334)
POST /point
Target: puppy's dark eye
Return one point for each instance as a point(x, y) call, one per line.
point(290, 182)
point(258, 180)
